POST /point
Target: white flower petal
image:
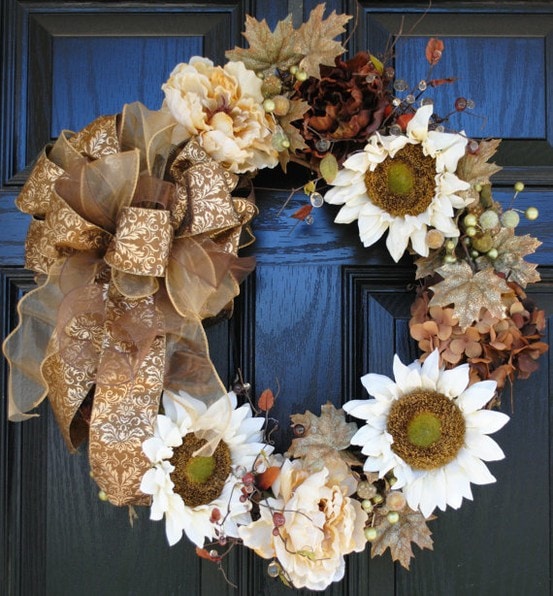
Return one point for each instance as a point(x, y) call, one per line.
point(476, 396)
point(454, 381)
point(483, 446)
point(486, 421)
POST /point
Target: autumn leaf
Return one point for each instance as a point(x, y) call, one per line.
point(316, 40)
point(428, 265)
point(266, 400)
point(268, 49)
point(510, 261)
point(265, 480)
point(204, 554)
point(399, 537)
point(469, 292)
point(475, 168)
point(434, 50)
point(330, 429)
point(302, 212)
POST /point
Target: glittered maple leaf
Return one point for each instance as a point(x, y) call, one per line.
point(316, 40)
point(469, 292)
point(324, 442)
point(510, 261)
point(268, 49)
point(399, 537)
point(475, 168)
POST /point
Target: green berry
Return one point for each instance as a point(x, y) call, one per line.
point(470, 231)
point(293, 69)
point(519, 186)
point(470, 220)
point(367, 505)
point(450, 259)
point(531, 213)
point(371, 534)
point(492, 254)
point(269, 105)
point(474, 254)
point(301, 75)
point(393, 517)
point(377, 499)
point(102, 496)
point(489, 219)
point(510, 218)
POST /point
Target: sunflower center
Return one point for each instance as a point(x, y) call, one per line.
point(199, 479)
point(403, 184)
point(428, 429)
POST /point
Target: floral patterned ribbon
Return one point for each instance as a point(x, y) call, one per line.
point(135, 243)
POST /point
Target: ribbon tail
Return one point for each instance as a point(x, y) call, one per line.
point(25, 349)
point(129, 384)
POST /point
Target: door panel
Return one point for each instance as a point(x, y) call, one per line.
point(318, 313)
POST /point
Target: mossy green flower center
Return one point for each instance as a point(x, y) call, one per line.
point(199, 479)
point(404, 184)
point(200, 469)
point(428, 429)
point(424, 429)
point(400, 178)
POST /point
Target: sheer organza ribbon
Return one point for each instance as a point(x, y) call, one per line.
point(135, 243)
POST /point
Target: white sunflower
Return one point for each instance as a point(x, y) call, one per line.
point(403, 184)
point(429, 429)
point(198, 493)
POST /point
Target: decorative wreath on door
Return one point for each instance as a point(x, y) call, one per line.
point(137, 221)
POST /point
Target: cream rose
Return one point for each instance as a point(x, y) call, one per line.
point(317, 525)
point(222, 107)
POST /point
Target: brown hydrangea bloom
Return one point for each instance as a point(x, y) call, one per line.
point(497, 349)
point(347, 103)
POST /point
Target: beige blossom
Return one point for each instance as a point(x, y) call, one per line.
point(222, 108)
point(320, 525)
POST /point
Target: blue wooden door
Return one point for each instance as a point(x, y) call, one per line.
point(319, 311)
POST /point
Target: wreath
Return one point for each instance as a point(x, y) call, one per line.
point(137, 221)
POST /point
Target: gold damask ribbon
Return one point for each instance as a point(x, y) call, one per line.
point(135, 243)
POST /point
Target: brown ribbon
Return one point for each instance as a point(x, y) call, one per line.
point(131, 256)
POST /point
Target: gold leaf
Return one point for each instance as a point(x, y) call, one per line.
point(475, 169)
point(410, 529)
point(330, 429)
point(297, 109)
point(268, 50)
point(511, 249)
point(469, 292)
point(316, 40)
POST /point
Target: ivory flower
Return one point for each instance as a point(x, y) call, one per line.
point(404, 184)
point(199, 494)
point(317, 525)
point(429, 429)
point(222, 107)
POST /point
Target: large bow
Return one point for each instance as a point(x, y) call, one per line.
point(135, 243)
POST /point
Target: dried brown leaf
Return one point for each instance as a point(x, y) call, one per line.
point(316, 40)
point(399, 537)
point(268, 49)
point(469, 292)
point(428, 265)
point(510, 261)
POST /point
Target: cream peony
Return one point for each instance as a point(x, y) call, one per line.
point(317, 525)
point(404, 184)
point(429, 429)
point(222, 108)
point(196, 493)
